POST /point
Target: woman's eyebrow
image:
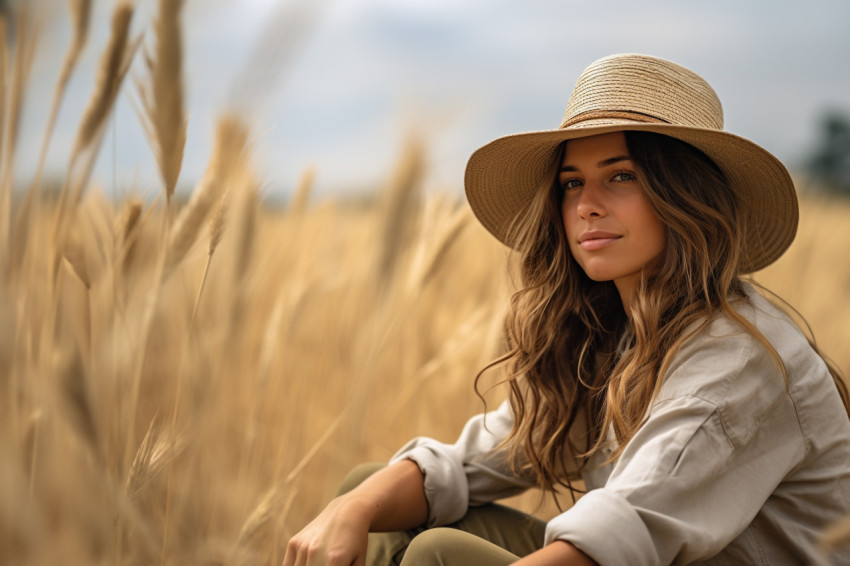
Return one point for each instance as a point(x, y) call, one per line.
point(603, 163)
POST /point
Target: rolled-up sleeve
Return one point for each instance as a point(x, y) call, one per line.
point(720, 438)
point(472, 471)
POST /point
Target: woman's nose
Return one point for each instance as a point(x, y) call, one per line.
point(590, 203)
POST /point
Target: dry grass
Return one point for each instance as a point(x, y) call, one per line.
point(192, 394)
point(162, 97)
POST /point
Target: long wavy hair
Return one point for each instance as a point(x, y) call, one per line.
point(578, 364)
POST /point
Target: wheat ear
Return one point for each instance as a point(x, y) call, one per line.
point(266, 509)
point(26, 33)
point(216, 232)
point(229, 152)
point(163, 115)
point(298, 205)
point(80, 17)
point(397, 209)
point(127, 231)
point(4, 71)
point(75, 255)
point(457, 222)
point(114, 64)
point(157, 450)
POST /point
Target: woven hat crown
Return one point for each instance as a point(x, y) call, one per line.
point(640, 88)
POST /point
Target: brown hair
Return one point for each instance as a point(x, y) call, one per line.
point(577, 363)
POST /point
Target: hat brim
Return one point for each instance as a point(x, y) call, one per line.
point(502, 176)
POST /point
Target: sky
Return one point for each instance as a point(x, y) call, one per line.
point(339, 85)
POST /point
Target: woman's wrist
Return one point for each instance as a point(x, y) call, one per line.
point(358, 507)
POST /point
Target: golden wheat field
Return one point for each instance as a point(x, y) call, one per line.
point(186, 383)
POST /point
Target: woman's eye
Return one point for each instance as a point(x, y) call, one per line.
point(568, 184)
point(623, 177)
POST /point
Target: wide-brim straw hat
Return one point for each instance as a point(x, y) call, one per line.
point(648, 94)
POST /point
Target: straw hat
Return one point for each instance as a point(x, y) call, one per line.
point(642, 93)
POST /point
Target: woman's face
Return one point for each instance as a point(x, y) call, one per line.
point(612, 229)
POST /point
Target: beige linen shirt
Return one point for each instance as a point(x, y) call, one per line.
point(732, 465)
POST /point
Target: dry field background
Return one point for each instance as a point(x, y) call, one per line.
point(186, 384)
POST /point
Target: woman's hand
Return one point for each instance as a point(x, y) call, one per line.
point(337, 537)
point(392, 499)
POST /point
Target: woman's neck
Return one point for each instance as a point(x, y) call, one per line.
point(626, 287)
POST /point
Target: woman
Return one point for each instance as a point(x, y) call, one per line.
point(703, 424)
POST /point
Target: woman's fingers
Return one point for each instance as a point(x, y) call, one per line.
point(337, 537)
point(318, 556)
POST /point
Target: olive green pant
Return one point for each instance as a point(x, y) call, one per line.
point(491, 534)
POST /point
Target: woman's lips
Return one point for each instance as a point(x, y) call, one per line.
point(594, 244)
point(596, 240)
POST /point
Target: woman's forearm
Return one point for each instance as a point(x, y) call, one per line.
point(393, 498)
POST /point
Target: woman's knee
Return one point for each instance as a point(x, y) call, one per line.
point(357, 475)
point(445, 546)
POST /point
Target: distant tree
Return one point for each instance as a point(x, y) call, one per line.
point(6, 13)
point(829, 164)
